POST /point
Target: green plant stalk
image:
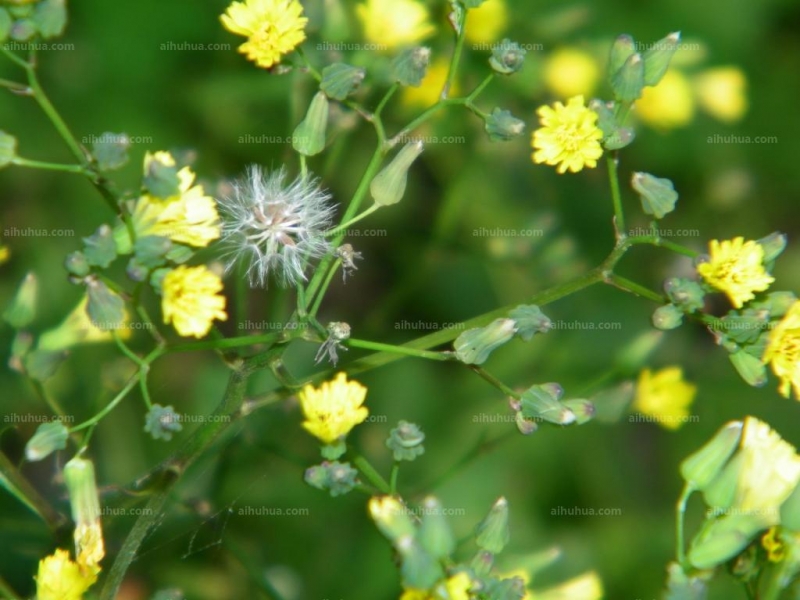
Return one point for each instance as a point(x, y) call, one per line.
point(372, 475)
point(362, 215)
point(401, 350)
point(48, 166)
point(613, 176)
point(680, 513)
point(393, 478)
point(627, 285)
point(324, 289)
point(452, 70)
point(52, 518)
point(495, 382)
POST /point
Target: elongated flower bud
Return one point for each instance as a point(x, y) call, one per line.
point(389, 185)
point(85, 503)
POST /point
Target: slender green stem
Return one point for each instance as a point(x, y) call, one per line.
point(15, 59)
point(372, 475)
point(303, 166)
point(385, 100)
point(235, 342)
point(324, 289)
point(309, 67)
point(48, 166)
point(362, 215)
point(634, 288)
point(619, 217)
point(478, 90)
point(7, 591)
point(110, 406)
point(393, 478)
point(36, 502)
point(680, 513)
point(494, 381)
point(14, 86)
point(402, 350)
point(452, 71)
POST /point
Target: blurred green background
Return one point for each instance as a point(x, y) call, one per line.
point(428, 268)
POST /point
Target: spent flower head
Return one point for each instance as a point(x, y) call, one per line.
point(275, 227)
point(783, 351)
point(272, 28)
point(569, 137)
point(59, 578)
point(736, 267)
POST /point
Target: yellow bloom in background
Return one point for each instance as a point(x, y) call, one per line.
point(393, 23)
point(427, 94)
point(333, 409)
point(722, 92)
point(769, 473)
point(61, 579)
point(736, 267)
point(669, 104)
point(783, 351)
point(5, 254)
point(487, 22)
point(414, 594)
point(78, 328)
point(273, 28)
point(458, 586)
point(191, 300)
point(569, 136)
point(665, 396)
point(772, 543)
point(571, 72)
point(584, 587)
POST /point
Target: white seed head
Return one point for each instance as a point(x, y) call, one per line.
point(276, 229)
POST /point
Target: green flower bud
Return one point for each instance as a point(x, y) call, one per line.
point(530, 320)
point(621, 137)
point(410, 66)
point(790, 510)
point(749, 367)
point(482, 563)
point(582, 409)
point(623, 48)
point(389, 185)
point(774, 245)
point(162, 421)
point(340, 80)
point(474, 346)
point(48, 438)
point(84, 501)
point(76, 264)
point(419, 569)
point(391, 517)
point(435, 534)
point(539, 402)
point(22, 309)
point(41, 365)
point(606, 120)
point(777, 304)
point(136, 271)
point(502, 126)
point(335, 477)
point(106, 309)
point(100, 249)
point(720, 493)
point(700, 469)
point(658, 195)
point(681, 586)
point(658, 57)
point(685, 293)
point(492, 534)
point(110, 150)
point(628, 81)
point(8, 148)
point(556, 390)
point(667, 317)
point(308, 138)
point(525, 426)
point(507, 57)
point(405, 441)
point(161, 179)
point(721, 540)
point(151, 250)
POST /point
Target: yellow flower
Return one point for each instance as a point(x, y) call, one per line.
point(393, 23)
point(5, 254)
point(333, 409)
point(61, 579)
point(190, 217)
point(664, 395)
point(772, 543)
point(569, 136)
point(415, 594)
point(486, 22)
point(722, 92)
point(769, 473)
point(192, 300)
point(736, 267)
point(571, 72)
point(273, 28)
point(428, 92)
point(458, 586)
point(586, 587)
point(669, 104)
point(783, 351)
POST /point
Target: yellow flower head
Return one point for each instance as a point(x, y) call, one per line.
point(192, 300)
point(61, 579)
point(665, 396)
point(770, 471)
point(393, 23)
point(783, 351)
point(458, 586)
point(669, 104)
point(586, 587)
point(570, 72)
point(428, 92)
point(722, 92)
point(772, 543)
point(486, 22)
point(273, 28)
point(5, 254)
point(333, 409)
point(569, 136)
point(736, 267)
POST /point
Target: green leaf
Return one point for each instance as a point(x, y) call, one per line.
point(106, 309)
point(8, 148)
point(50, 17)
point(110, 150)
point(100, 249)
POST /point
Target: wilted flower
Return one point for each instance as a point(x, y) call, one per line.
point(192, 300)
point(569, 137)
point(664, 395)
point(737, 268)
point(783, 351)
point(276, 228)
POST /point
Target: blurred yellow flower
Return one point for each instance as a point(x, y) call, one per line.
point(569, 136)
point(669, 104)
point(769, 473)
point(392, 23)
point(722, 92)
point(61, 579)
point(571, 72)
point(458, 586)
point(427, 94)
point(783, 351)
point(772, 543)
point(486, 23)
point(5, 254)
point(586, 587)
point(414, 594)
point(665, 396)
point(273, 28)
point(192, 300)
point(333, 409)
point(736, 267)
